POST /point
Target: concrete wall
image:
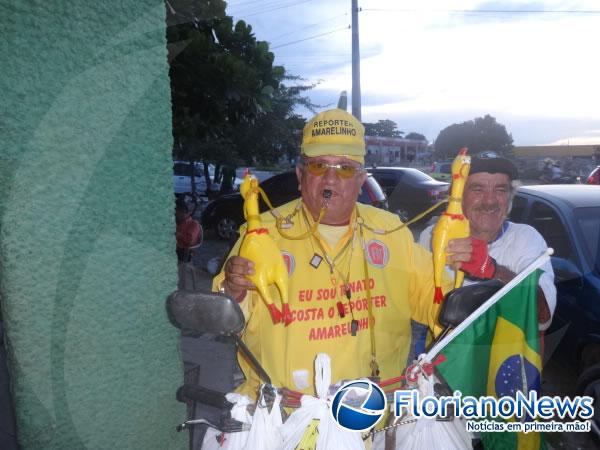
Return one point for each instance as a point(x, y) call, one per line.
point(87, 230)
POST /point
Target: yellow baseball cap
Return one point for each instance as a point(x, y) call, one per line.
point(334, 132)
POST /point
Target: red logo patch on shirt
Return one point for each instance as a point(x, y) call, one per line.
point(290, 262)
point(377, 253)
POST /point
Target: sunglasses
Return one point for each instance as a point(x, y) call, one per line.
point(343, 170)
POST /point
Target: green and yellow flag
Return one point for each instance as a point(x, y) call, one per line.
point(498, 354)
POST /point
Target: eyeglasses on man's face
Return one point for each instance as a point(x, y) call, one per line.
point(343, 170)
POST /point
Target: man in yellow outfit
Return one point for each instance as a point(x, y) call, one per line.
point(353, 288)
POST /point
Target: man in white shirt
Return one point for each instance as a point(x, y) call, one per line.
point(510, 247)
point(556, 171)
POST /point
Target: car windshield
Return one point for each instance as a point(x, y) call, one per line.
point(588, 220)
point(417, 175)
point(445, 168)
point(375, 188)
point(185, 169)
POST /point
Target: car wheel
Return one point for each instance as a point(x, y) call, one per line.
point(226, 227)
point(589, 384)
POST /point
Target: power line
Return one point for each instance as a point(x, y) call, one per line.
point(486, 11)
point(310, 37)
point(234, 5)
point(308, 26)
point(273, 9)
point(259, 7)
point(249, 9)
point(312, 55)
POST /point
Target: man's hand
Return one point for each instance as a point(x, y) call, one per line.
point(235, 283)
point(470, 252)
point(471, 256)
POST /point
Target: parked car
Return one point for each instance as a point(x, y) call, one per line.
point(568, 217)
point(182, 178)
point(594, 176)
point(409, 191)
point(224, 214)
point(441, 171)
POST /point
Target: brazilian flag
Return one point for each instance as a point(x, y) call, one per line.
point(498, 354)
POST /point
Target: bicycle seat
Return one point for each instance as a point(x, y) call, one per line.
point(205, 312)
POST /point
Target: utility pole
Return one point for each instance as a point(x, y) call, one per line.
point(355, 63)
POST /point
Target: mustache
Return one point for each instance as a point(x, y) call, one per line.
point(487, 208)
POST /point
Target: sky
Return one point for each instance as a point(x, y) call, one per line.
point(426, 64)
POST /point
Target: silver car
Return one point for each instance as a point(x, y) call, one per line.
point(182, 178)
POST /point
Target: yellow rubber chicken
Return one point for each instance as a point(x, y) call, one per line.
point(452, 225)
point(310, 436)
point(260, 248)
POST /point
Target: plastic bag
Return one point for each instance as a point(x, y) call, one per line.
point(215, 440)
point(265, 431)
point(299, 429)
point(428, 433)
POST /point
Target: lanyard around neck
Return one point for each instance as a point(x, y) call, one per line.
point(373, 364)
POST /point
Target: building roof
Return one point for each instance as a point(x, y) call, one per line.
point(555, 151)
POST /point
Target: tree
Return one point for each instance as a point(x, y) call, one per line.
point(230, 104)
point(278, 132)
point(221, 76)
point(385, 128)
point(479, 135)
point(415, 136)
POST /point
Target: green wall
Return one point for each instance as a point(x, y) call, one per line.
point(86, 224)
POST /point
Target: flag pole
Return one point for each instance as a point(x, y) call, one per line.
point(537, 263)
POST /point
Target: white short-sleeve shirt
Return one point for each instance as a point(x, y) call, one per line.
point(515, 248)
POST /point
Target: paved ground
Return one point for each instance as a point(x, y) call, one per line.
point(560, 380)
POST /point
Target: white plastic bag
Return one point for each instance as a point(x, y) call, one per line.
point(265, 431)
point(330, 435)
point(215, 440)
point(428, 433)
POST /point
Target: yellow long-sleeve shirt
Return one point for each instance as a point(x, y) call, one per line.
point(400, 278)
